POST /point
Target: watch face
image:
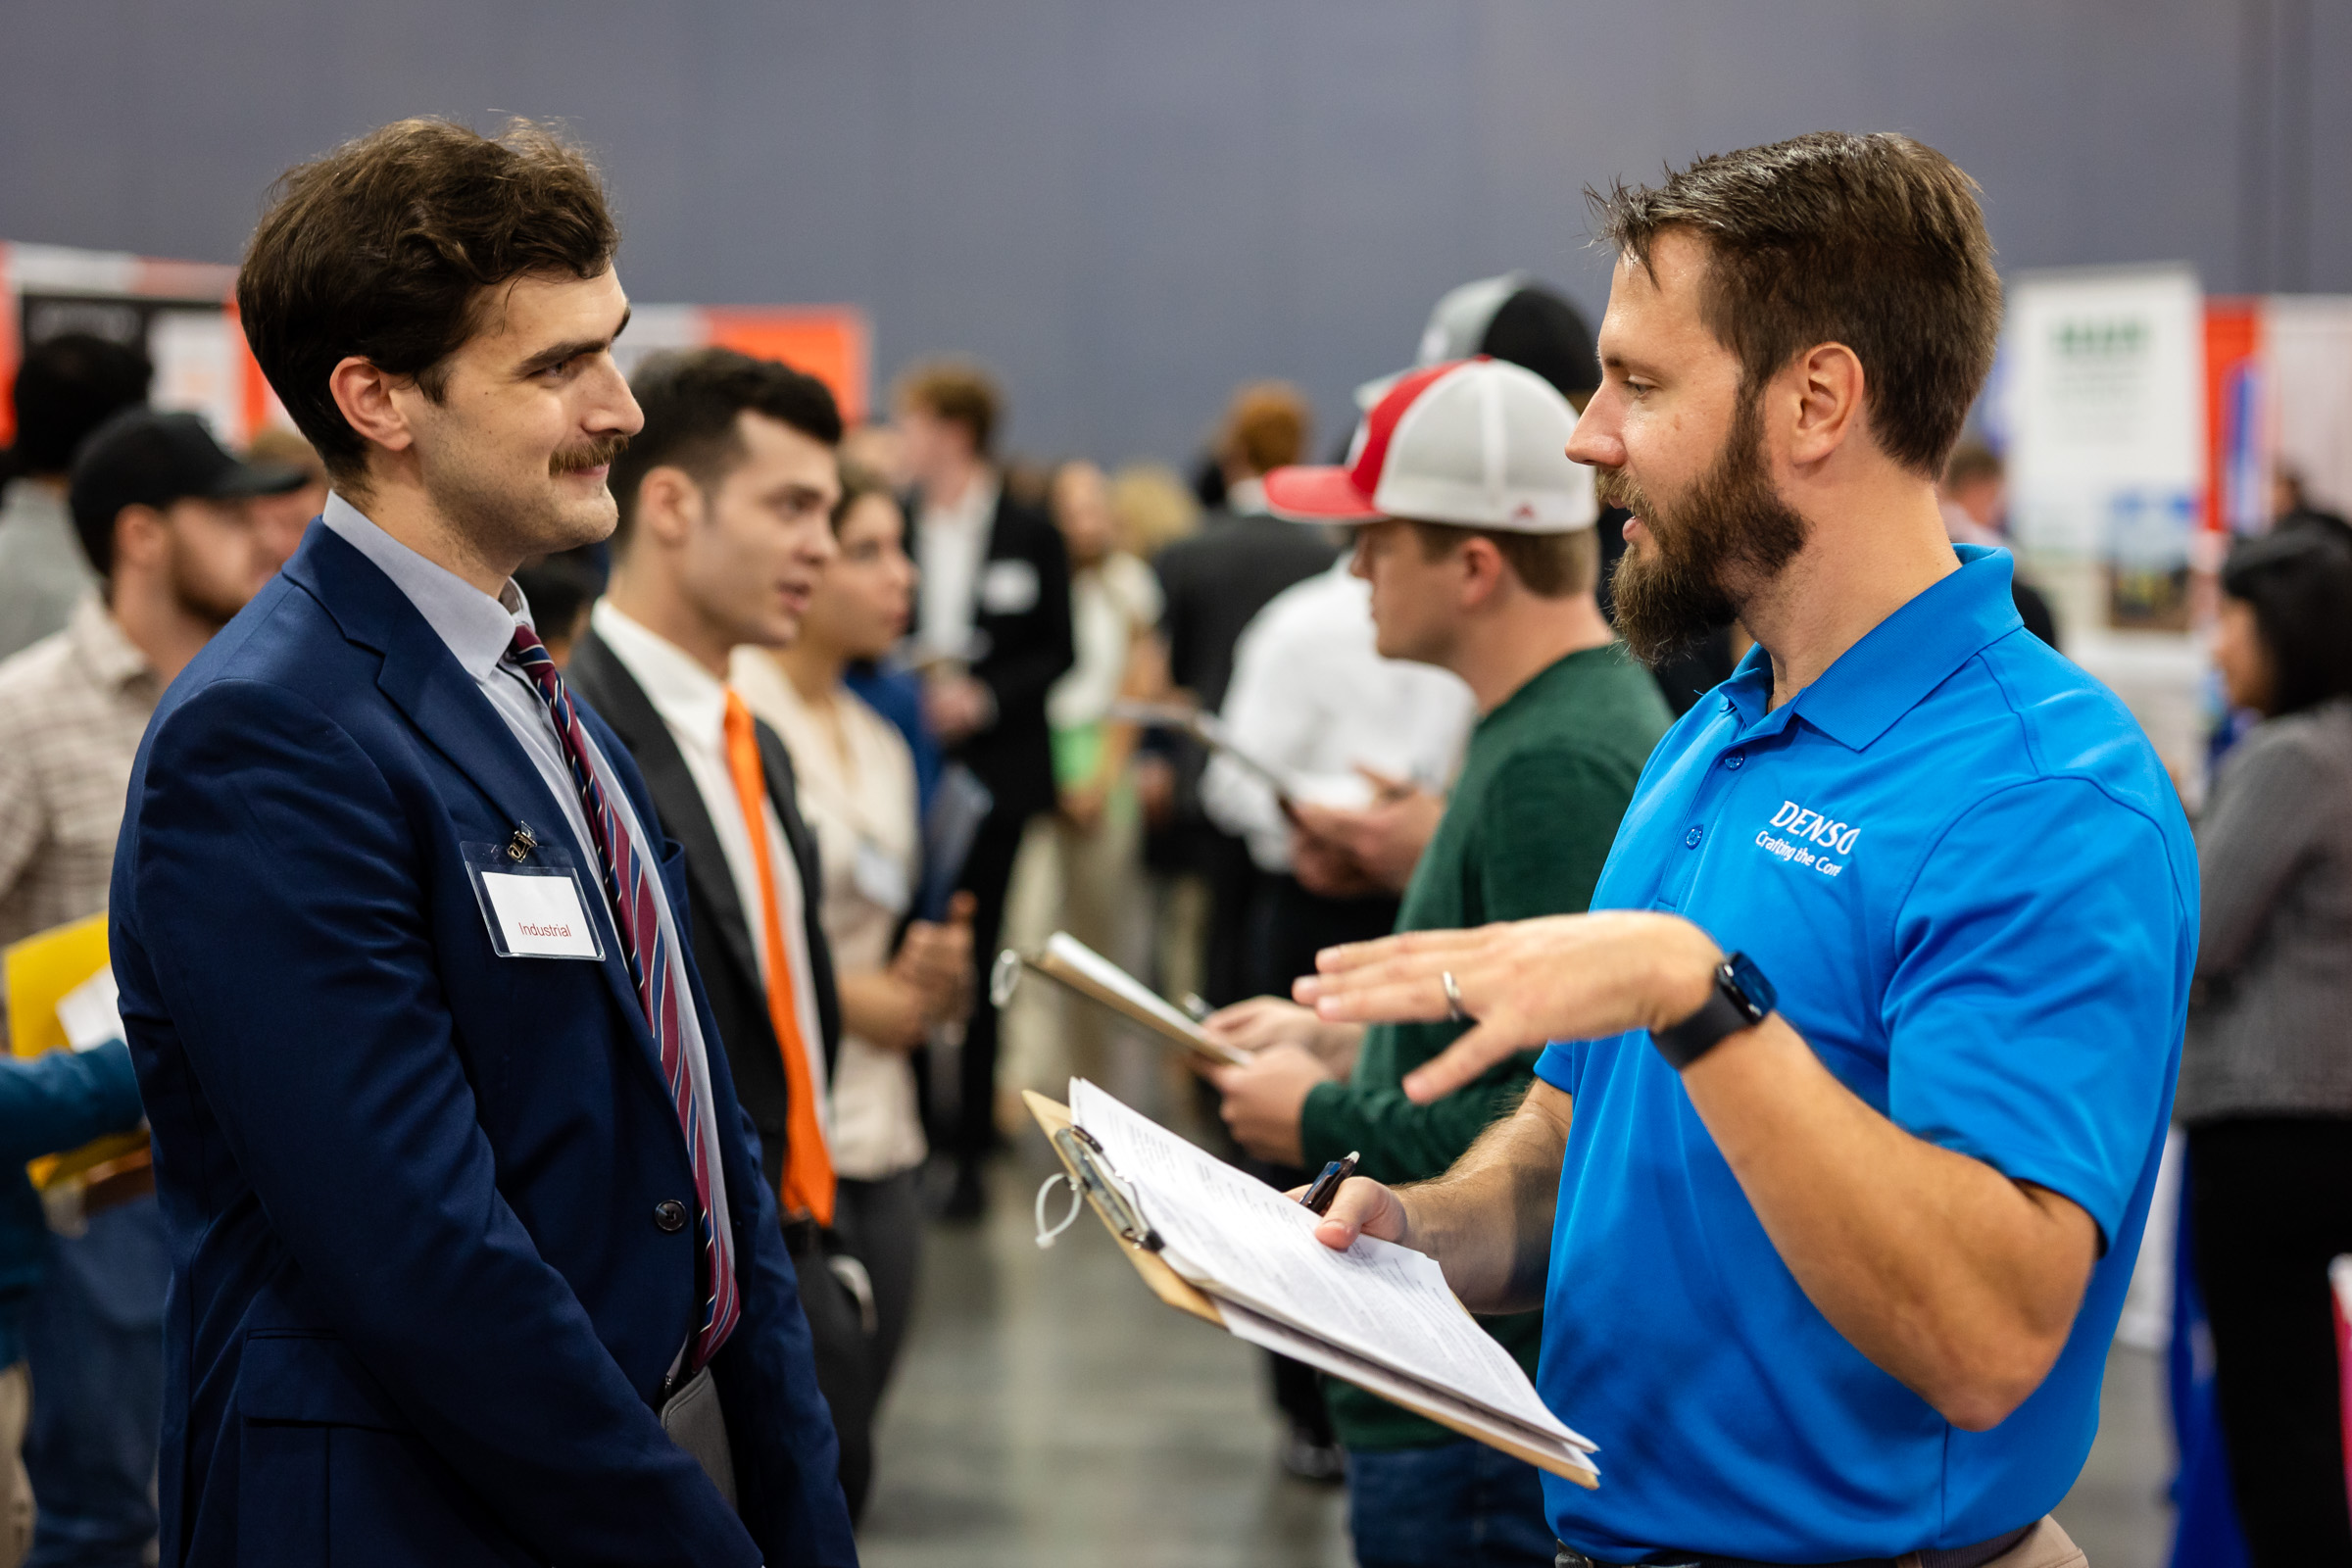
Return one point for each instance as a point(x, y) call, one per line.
point(1751, 982)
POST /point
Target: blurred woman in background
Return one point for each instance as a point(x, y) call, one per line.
point(1080, 870)
point(857, 790)
point(2266, 1074)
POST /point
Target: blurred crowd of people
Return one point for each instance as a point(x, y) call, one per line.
point(1128, 704)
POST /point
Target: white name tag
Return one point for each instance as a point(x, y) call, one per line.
point(1008, 588)
point(879, 877)
point(531, 902)
point(540, 916)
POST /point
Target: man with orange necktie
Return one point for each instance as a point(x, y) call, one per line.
point(725, 499)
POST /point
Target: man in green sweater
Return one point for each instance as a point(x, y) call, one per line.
point(1476, 534)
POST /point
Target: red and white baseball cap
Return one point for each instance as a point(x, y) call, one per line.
point(1475, 443)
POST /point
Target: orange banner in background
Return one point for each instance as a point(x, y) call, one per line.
point(827, 341)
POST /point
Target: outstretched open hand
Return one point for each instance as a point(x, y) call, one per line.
point(1525, 981)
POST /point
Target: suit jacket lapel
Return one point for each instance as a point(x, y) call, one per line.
point(423, 679)
point(600, 677)
point(783, 794)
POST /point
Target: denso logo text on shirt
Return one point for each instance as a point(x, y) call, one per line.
point(1836, 837)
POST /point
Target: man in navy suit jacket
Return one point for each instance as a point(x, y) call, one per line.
point(449, 1227)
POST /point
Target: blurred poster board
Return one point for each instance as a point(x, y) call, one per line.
point(184, 315)
point(832, 342)
point(2278, 371)
point(175, 309)
point(2108, 440)
point(2238, 496)
point(2307, 349)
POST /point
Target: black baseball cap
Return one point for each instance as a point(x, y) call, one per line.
point(142, 458)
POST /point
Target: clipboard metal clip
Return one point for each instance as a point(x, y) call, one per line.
point(1096, 1182)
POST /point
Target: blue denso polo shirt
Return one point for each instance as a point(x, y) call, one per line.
point(1962, 865)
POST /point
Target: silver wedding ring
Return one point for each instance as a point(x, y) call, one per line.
point(1453, 997)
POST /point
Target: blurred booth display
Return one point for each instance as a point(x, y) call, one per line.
point(183, 314)
point(2278, 377)
point(2144, 424)
point(2106, 412)
point(173, 309)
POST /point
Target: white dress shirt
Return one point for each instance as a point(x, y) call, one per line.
point(949, 544)
point(693, 705)
point(1312, 699)
point(477, 630)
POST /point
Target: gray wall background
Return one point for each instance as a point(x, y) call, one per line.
point(1126, 205)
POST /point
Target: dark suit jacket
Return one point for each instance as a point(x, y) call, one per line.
point(1023, 626)
point(422, 1302)
point(1213, 584)
point(722, 929)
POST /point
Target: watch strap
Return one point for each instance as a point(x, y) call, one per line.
point(1724, 1013)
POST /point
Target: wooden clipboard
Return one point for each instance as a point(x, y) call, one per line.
point(1174, 1028)
point(1184, 1295)
point(1165, 1283)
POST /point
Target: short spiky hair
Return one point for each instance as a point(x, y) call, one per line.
point(1873, 241)
point(387, 248)
point(691, 398)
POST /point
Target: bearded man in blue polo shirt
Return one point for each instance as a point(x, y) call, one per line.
point(1835, 1169)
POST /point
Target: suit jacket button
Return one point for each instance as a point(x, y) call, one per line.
point(670, 1215)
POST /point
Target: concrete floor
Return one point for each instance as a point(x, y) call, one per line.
point(1049, 1412)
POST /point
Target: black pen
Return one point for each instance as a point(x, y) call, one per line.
point(1327, 1186)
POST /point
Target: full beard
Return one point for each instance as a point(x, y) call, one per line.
point(1676, 588)
point(199, 595)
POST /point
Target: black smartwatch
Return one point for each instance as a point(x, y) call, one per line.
point(1740, 999)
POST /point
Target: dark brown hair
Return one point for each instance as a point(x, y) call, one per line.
point(691, 399)
point(1266, 427)
point(1553, 566)
point(388, 248)
point(1873, 241)
point(957, 392)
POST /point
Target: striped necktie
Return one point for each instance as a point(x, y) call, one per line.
point(628, 877)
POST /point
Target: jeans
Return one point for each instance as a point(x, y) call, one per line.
point(1458, 1505)
point(95, 1337)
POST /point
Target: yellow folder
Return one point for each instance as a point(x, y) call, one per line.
point(37, 973)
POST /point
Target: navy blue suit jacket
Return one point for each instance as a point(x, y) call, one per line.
point(420, 1304)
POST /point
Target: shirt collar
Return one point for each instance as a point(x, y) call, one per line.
point(478, 628)
point(30, 498)
point(689, 698)
point(1902, 659)
point(99, 642)
point(975, 508)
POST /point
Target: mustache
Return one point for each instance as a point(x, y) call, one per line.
point(1613, 488)
point(587, 454)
